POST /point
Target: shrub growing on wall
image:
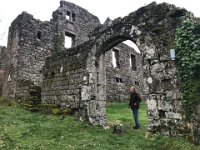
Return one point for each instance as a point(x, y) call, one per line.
point(188, 54)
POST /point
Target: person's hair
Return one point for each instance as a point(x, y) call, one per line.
point(132, 89)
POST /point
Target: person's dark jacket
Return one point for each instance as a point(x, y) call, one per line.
point(135, 100)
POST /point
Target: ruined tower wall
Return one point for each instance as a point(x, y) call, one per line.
point(29, 43)
point(119, 80)
point(35, 45)
point(75, 22)
point(11, 63)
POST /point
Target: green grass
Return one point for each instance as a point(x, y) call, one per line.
point(23, 130)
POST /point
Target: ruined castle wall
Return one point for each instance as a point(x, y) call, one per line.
point(35, 45)
point(119, 80)
point(2, 65)
point(74, 21)
point(153, 29)
point(11, 63)
point(29, 43)
point(2, 57)
point(64, 76)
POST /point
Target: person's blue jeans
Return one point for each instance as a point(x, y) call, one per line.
point(136, 118)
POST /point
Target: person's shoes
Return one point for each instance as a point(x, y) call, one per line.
point(136, 128)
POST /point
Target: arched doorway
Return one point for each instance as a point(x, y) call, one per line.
point(153, 32)
point(123, 66)
point(127, 32)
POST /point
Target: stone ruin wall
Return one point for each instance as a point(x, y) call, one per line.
point(117, 90)
point(2, 57)
point(26, 54)
point(31, 41)
point(152, 28)
point(64, 76)
point(2, 65)
point(74, 21)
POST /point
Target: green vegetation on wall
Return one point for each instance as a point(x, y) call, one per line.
point(188, 54)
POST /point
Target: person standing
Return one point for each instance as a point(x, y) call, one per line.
point(134, 104)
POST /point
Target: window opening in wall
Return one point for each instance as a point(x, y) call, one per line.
point(69, 40)
point(133, 62)
point(39, 34)
point(161, 114)
point(115, 58)
point(137, 83)
point(9, 78)
point(119, 80)
point(61, 69)
point(68, 15)
point(52, 74)
point(73, 17)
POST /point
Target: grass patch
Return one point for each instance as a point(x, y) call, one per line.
point(21, 129)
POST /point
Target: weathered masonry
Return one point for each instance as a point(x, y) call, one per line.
point(83, 77)
point(2, 63)
point(31, 41)
point(123, 70)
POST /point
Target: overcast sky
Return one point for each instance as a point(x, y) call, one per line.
point(42, 9)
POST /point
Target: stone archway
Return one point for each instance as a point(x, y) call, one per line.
point(152, 28)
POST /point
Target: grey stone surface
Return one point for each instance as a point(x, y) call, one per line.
point(119, 90)
point(2, 57)
point(31, 41)
point(2, 66)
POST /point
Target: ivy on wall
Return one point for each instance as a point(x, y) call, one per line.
point(188, 54)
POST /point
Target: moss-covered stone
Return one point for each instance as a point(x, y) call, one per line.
point(57, 111)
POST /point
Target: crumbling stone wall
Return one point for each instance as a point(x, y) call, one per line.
point(2, 64)
point(74, 21)
point(76, 78)
point(12, 60)
point(2, 57)
point(27, 51)
point(119, 80)
point(64, 77)
point(152, 28)
point(67, 82)
point(31, 41)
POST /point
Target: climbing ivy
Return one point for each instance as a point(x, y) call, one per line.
point(188, 54)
